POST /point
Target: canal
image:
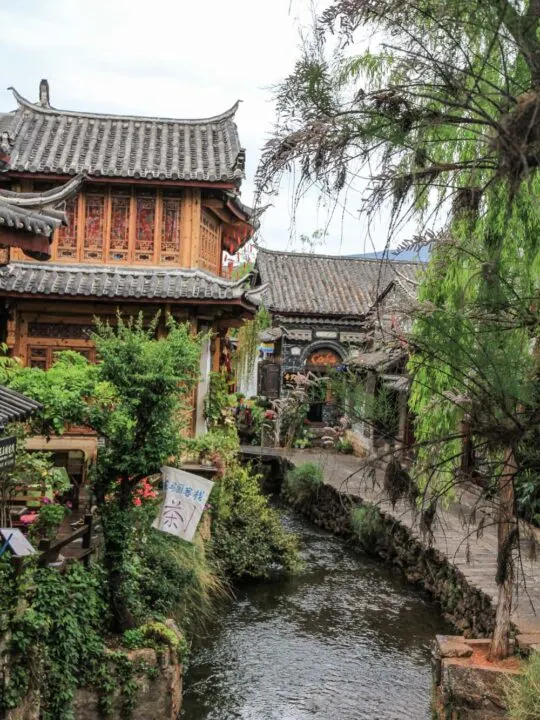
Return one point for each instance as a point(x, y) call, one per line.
point(345, 639)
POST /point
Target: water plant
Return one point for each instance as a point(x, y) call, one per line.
point(302, 481)
point(367, 526)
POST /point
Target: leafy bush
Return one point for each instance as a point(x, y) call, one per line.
point(523, 692)
point(219, 404)
point(48, 521)
point(156, 635)
point(247, 535)
point(302, 481)
point(344, 446)
point(367, 525)
point(60, 630)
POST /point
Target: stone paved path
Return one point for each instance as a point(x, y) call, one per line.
point(477, 562)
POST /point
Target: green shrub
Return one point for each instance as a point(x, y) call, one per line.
point(344, 446)
point(59, 634)
point(156, 635)
point(177, 579)
point(302, 481)
point(367, 525)
point(523, 692)
point(247, 535)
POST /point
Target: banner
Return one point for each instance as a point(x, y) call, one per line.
point(185, 497)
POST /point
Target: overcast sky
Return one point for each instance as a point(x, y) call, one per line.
point(175, 58)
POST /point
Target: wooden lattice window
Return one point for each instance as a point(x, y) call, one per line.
point(119, 242)
point(170, 230)
point(67, 236)
point(94, 227)
point(37, 357)
point(210, 244)
point(145, 222)
point(43, 356)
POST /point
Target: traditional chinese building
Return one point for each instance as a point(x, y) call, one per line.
point(147, 231)
point(331, 311)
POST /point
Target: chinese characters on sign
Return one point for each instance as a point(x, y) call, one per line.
point(8, 447)
point(185, 497)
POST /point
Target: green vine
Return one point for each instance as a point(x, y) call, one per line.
point(248, 341)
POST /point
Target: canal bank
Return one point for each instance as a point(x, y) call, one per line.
point(347, 637)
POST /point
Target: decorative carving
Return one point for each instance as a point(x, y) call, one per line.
point(210, 244)
point(119, 243)
point(67, 236)
point(170, 230)
point(94, 227)
point(72, 331)
point(323, 357)
point(144, 224)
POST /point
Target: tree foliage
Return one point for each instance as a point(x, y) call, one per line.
point(441, 109)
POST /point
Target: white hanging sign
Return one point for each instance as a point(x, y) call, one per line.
point(186, 495)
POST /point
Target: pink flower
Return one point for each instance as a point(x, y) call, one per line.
point(69, 504)
point(137, 501)
point(29, 518)
point(45, 501)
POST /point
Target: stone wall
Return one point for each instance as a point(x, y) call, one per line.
point(468, 609)
point(157, 692)
point(465, 686)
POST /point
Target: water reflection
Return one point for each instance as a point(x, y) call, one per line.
point(345, 639)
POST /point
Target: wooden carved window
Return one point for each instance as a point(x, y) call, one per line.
point(67, 236)
point(170, 230)
point(144, 228)
point(44, 356)
point(119, 242)
point(94, 227)
point(210, 248)
point(37, 357)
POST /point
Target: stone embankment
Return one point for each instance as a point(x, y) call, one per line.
point(457, 563)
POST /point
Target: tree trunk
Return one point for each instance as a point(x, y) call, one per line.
point(116, 534)
point(507, 531)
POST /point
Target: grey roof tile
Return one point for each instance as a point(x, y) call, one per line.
point(31, 221)
point(309, 284)
point(45, 140)
point(15, 407)
point(120, 282)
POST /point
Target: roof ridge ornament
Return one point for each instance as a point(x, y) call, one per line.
point(44, 94)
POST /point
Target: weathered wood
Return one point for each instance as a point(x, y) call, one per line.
point(50, 550)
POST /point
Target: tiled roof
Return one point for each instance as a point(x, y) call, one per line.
point(19, 219)
point(102, 281)
point(40, 139)
point(309, 284)
point(15, 407)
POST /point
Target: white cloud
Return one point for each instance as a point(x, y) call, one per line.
point(178, 59)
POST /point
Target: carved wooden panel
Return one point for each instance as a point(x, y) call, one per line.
point(44, 356)
point(72, 331)
point(119, 242)
point(67, 236)
point(145, 220)
point(210, 244)
point(94, 226)
point(170, 230)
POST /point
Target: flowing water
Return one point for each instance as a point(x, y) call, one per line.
point(345, 639)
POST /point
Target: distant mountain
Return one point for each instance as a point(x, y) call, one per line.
point(422, 255)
